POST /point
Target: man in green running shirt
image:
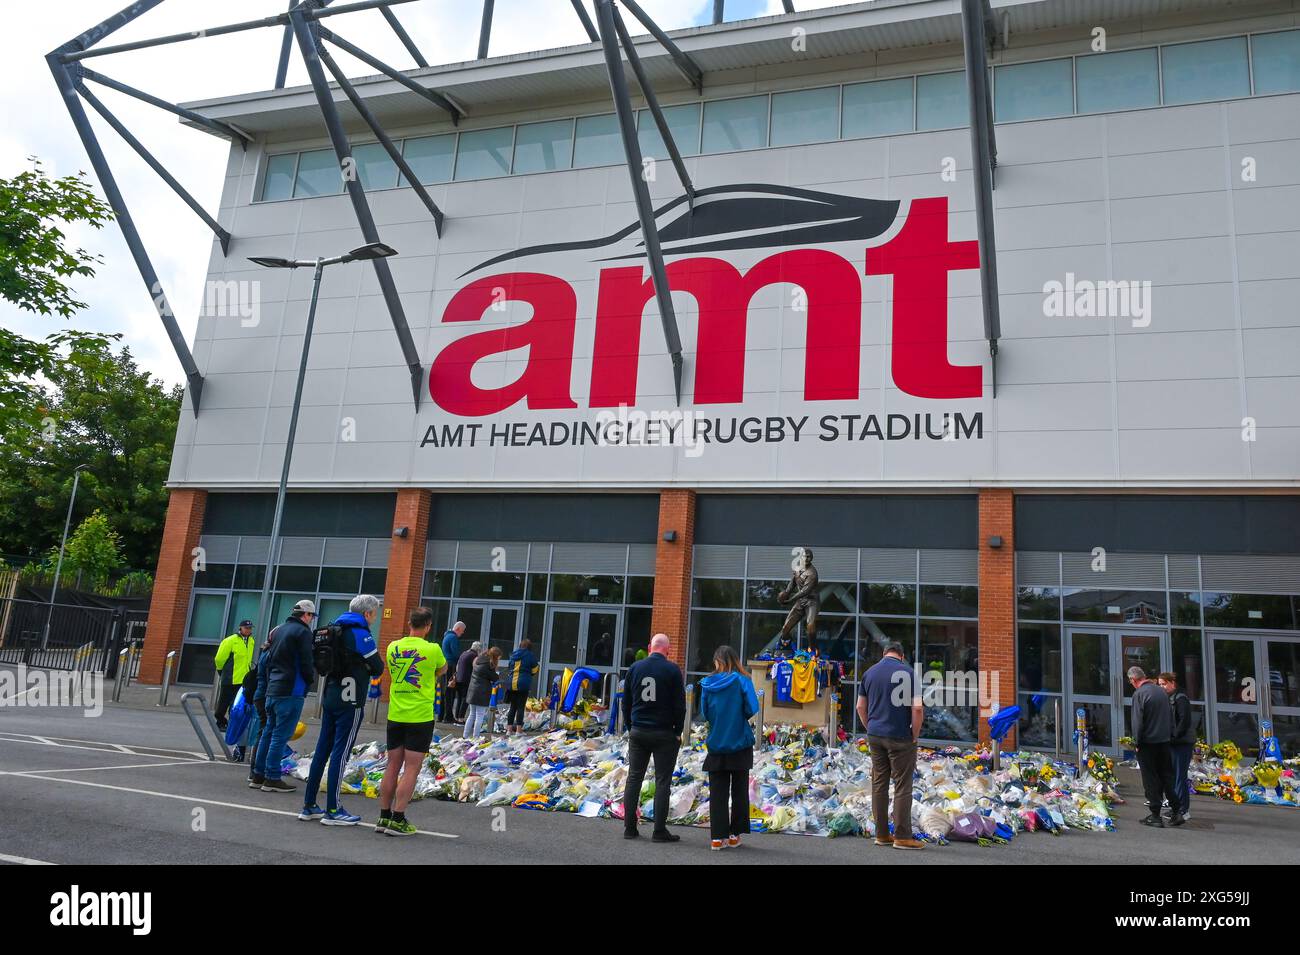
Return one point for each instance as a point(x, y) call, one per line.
point(414, 665)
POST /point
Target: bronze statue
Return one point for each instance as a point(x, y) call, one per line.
point(806, 602)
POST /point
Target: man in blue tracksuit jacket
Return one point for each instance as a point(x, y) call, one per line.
point(343, 706)
point(289, 672)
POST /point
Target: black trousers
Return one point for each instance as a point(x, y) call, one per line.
point(1155, 760)
point(728, 786)
point(224, 699)
point(662, 746)
point(459, 700)
point(517, 700)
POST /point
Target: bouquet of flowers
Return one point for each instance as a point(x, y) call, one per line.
point(1229, 752)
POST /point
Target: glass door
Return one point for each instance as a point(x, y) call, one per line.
point(492, 625)
point(1136, 649)
point(1235, 685)
point(581, 637)
point(1092, 685)
point(1282, 701)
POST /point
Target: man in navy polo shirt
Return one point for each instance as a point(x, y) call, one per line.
point(889, 705)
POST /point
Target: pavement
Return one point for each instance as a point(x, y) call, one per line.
point(131, 787)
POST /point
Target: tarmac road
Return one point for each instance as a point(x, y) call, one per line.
point(129, 788)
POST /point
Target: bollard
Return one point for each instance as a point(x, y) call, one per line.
point(1057, 705)
point(757, 720)
point(374, 711)
point(216, 690)
point(997, 755)
point(167, 679)
point(121, 672)
point(1081, 736)
point(320, 696)
point(686, 723)
point(832, 722)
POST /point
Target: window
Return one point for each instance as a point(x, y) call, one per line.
point(541, 147)
point(1033, 91)
point(596, 141)
point(215, 576)
point(1110, 81)
point(709, 592)
point(889, 599)
point(340, 580)
point(940, 600)
point(375, 167)
point(586, 589)
point(484, 153)
point(1276, 57)
point(683, 124)
point(1115, 606)
point(1038, 656)
point(279, 176)
point(490, 586)
point(318, 174)
point(1210, 69)
point(941, 101)
point(806, 116)
point(437, 583)
point(431, 158)
point(1038, 603)
point(732, 124)
point(297, 578)
point(878, 109)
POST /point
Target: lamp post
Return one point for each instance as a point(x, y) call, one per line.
point(58, 567)
point(374, 250)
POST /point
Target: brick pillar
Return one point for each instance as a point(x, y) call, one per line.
point(997, 579)
point(405, 565)
point(173, 581)
point(672, 609)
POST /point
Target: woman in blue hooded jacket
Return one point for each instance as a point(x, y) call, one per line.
point(727, 703)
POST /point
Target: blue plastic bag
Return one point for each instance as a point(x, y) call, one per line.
point(241, 712)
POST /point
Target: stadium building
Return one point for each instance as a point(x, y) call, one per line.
point(1105, 475)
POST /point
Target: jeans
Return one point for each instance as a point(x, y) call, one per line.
point(1182, 759)
point(282, 714)
point(662, 745)
point(338, 731)
point(724, 786)
point(476, 722)
point(1157, 765)
point(892, 759)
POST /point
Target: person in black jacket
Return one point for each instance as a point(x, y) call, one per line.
point(654, 704)
point(1182, 741)
point(289, 673)
point(1153, 723)
point(342, 708)
point(482, 679)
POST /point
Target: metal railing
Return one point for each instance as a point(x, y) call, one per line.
point(188, 702)
point(78, 638)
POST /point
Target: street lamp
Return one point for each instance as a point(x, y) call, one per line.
point(58, 568)
point(374, 250)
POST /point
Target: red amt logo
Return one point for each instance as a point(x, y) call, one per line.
point(919, 257)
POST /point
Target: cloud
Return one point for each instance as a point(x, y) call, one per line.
point(178, 243)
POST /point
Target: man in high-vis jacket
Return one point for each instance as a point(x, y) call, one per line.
point(239, 648)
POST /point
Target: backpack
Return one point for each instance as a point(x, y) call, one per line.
point(330, 653)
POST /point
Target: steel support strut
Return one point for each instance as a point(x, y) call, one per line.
point(647, 90)
point(404, 37)
point(389, 146)
point(431, 95)
point(983, 155)
point(587, 25)
point(63, 78)
point(303, 33)
point(215, 125)
point(694, 75)
point(222, 235)
point(485, 28)
point(645, 212)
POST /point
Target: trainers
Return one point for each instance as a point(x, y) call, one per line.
point(237, 754)
point(665, 837)
point(908, 844)
point(277, 786)
point(716, 845)
point(311, 812)
point(1154, 821)
point(402, 827)
point(631, 834)
point(382, 825)
point(885, 840)
point(733, 842)
point(1177, 819)
point(338, 817)
point(256, 782)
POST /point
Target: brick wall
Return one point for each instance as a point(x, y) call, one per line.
point(997, 624)
point(405, 565)
point(169, 607)
point(672, 606)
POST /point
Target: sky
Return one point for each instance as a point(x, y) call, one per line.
point(38, 125)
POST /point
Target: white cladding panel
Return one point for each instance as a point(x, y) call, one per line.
point(1161, 396)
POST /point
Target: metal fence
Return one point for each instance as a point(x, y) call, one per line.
point(68, 636)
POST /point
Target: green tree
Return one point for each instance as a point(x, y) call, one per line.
point(34, 262)
point(102, 411)
point(93, 550)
